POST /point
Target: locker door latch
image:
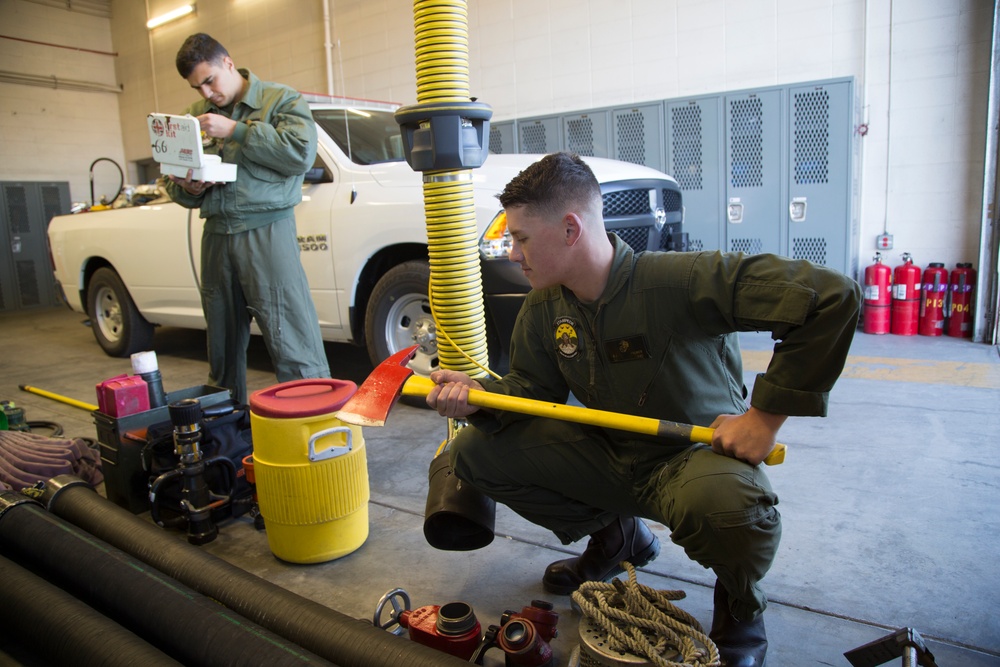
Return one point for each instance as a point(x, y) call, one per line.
point(735, 211)
point(797, 209)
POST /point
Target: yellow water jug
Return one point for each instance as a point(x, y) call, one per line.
point(310, 469)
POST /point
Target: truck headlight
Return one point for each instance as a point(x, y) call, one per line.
point(496, 242)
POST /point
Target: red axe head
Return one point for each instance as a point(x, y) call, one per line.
point(372, 401)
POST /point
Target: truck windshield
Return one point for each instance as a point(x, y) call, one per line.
point(366, 136)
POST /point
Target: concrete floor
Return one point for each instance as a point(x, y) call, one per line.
point(889, 504)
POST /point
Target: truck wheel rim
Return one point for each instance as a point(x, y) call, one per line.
point(410, 322)
point(109, 314)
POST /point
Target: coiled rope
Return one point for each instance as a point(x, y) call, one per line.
point(642, 621)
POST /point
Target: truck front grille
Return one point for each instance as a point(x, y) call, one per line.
point(626, 202)
point(671, 200)
point(636, 237)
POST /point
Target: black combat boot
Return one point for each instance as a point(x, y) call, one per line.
point(627, 538)
point(741, 643)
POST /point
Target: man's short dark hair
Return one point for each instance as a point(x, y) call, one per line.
point(552, 184)
point(196, 49)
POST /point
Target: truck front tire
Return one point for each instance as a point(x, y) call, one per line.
point(399, 315)
point(118, 327)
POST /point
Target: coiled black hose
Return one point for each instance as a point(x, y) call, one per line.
point(347, 641)
point(121, 180)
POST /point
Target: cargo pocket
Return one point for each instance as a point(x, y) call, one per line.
point(765, 514)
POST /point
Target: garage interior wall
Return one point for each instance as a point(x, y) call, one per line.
point(59, 96)
point(921, 71)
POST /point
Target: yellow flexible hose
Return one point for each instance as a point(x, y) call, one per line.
point(441, 30)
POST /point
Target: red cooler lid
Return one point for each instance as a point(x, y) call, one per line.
point(302, 398)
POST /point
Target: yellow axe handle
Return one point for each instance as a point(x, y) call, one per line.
point(417, 385)
point(57, 397)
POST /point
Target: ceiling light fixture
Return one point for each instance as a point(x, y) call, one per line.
point(169, 16)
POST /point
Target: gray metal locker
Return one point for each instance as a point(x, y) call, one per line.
point(819, 135)
point(638, 135)
point(694, 158)
point(502, 137)
point(26, 278)
point(587, 134)
point(753, 172)
point(539, 135)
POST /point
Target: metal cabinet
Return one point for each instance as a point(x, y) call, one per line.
point(26, 279)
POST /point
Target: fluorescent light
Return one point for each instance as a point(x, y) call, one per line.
point(169, 16)
point(359, 112)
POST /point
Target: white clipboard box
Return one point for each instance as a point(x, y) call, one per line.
point(176, 143)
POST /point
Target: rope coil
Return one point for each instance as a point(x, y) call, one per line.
point(643, 621)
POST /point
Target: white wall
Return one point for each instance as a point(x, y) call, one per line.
point(54, 133)
point(920, 173)
point(923, 164)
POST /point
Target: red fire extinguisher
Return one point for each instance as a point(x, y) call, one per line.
point(935, 288)
point(878, 297)
point(905, 298)
point(963, 280)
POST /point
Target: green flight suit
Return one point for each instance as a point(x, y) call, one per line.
point(250, 265)
point(661, 342)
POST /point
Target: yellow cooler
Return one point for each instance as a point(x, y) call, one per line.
point(311, 470)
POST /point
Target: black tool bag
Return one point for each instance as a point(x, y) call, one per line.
point(225, 430)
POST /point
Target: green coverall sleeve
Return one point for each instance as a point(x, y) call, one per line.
point(811, 311)
point(286, 144)
point(180, 195)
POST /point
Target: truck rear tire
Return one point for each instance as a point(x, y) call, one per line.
point(118, 326)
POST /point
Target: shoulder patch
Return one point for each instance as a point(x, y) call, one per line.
point(567, 340)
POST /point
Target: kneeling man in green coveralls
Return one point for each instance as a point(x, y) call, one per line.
point(651, 334)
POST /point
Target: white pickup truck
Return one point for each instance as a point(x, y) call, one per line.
point(363, 237)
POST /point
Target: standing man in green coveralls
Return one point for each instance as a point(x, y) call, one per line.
point(652, 334)
point(250, 265)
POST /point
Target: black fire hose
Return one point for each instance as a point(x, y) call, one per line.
point(347, 641)
point(175, 619)
point(39, 621)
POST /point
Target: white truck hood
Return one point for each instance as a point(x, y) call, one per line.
point(498, 170)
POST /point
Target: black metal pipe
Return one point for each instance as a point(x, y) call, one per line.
point(172, 617)
point(347, 641)
point(46, 625)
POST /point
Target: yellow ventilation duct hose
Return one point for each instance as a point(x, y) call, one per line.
point(456, 288)
point(445, 136)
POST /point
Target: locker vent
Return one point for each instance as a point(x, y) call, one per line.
point(626, 202)
point(813, 250)
point(687, 146)
point(748, 246)
point(696, 245)
point(51, 203)
point(580, 136)
point(812, 137)
point(636, 237)
point(671, 201)
point(496, 141)
point(17, 209)
point(631, 138)
point(27, 283)
point(746, 139)
point(533, 139)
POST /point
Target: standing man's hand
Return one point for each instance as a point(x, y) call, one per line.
point(749, 437)
point(195, 188)
point(450, 396)
point(216, 126)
